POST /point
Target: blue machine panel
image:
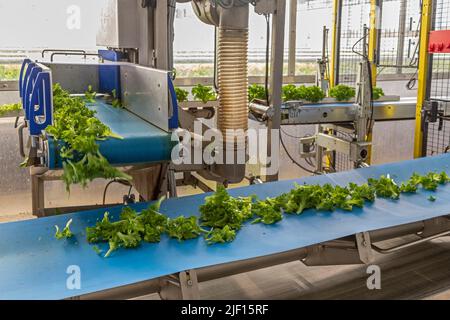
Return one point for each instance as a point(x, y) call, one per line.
point(109, 75)
point(33, 264)
point(35, 86)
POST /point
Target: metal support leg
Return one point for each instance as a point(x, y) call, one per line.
point(151, 182)
point(183, 286)
point(336, 252)
point(172, 183)
point(364, 246)
point(349, 250)
point(276, 78)
point(37, 195)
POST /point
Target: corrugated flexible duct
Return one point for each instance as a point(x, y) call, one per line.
point(233, 79)
point(232, 70)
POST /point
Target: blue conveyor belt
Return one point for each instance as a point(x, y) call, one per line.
point(33, 263)
point(142, 142)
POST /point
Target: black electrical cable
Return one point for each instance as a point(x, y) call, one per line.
point(288, 134)
point(414, 60)
point(123, 182)
point(292, 159)
point(370, 124)
point(356, 43)
point(412, 82)
point(308, 161)
point(313, 148)
point(106, 189)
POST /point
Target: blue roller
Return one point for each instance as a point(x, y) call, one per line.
point(33, 264)
point(142, 142)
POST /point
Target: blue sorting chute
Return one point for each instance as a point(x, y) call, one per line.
point(141, 141)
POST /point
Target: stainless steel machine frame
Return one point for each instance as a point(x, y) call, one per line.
point(154, 47)
point(145, 93)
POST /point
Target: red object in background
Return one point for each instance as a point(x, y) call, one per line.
point(439, 41)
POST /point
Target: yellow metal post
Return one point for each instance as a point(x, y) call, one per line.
point(373, 43)
point(335, 41)
point(427, 9)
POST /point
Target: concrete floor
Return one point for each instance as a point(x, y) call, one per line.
point(422, 272)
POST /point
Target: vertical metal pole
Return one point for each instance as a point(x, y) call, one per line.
point(375, 22)
point(423, 75)
point(171, 11)
point(335, 52)
point(401, 35)
point(324, 43)
point(37, 194)
point(320, 152)
point(322, 75)
point(276, 76)
point(335, 43)
point(161, 32)
point(145, 21)
point(292, 37)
